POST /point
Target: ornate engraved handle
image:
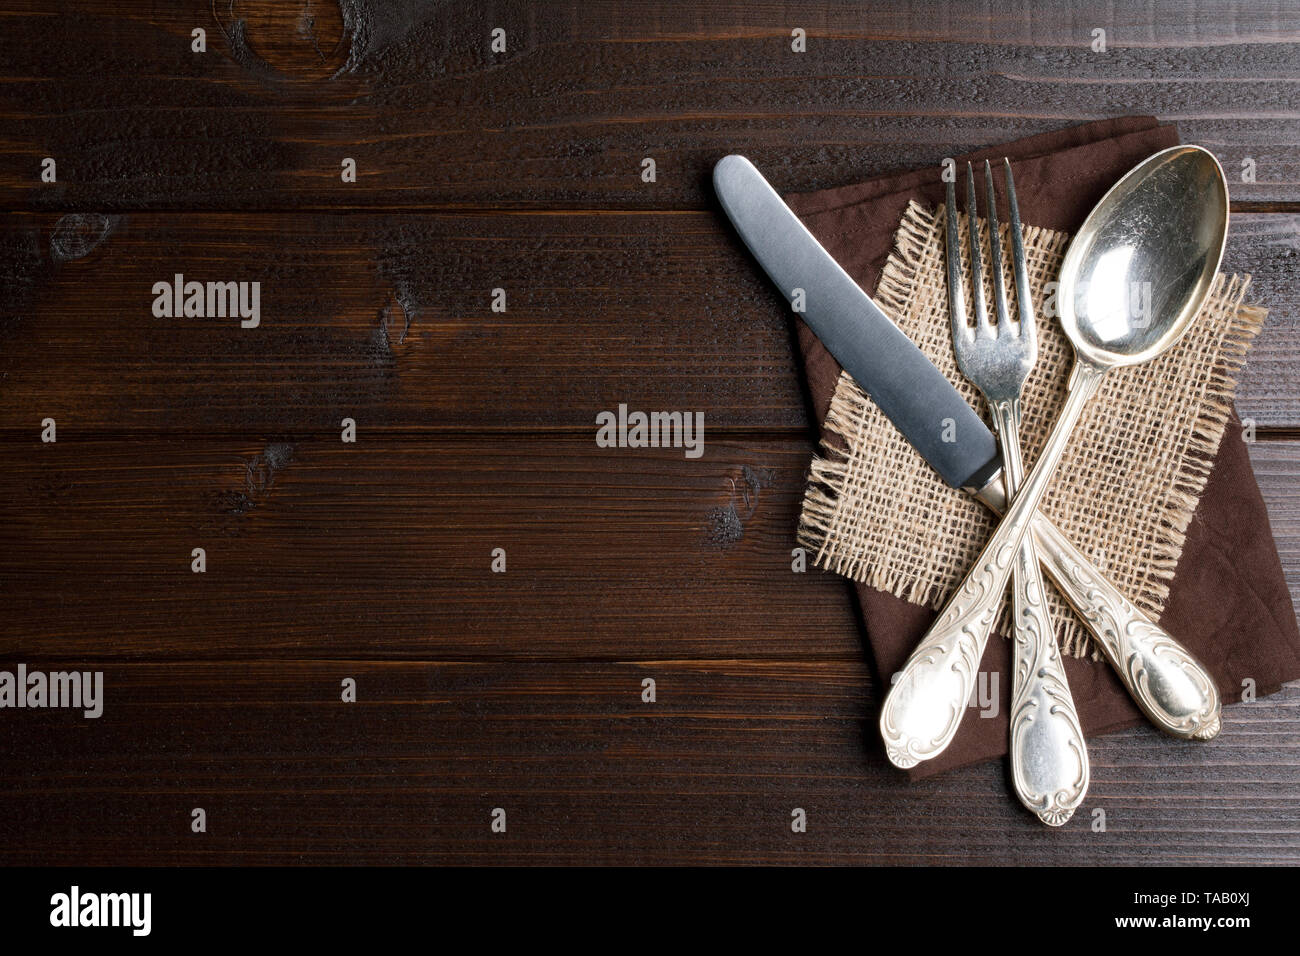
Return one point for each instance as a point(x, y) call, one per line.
point(1170, 685)
point(928, 699)
point(1049, 760)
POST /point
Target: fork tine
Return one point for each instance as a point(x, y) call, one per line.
point(995, 256)
point(961, 330)
point(1025, 305)
point(982, 327)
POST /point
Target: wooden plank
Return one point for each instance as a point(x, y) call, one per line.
point(1268, 248)
point(387, 319)
point(384, 549)
point(588, 772)
point(1277, 469)
point(585, 92)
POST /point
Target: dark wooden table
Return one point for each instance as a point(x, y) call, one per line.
point(522, 170)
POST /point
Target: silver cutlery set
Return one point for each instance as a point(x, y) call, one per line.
point(1163, 226)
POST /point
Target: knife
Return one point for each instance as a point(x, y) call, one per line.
point(882, 360)
point(1165, 680)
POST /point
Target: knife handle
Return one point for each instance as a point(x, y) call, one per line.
point(1170, 685)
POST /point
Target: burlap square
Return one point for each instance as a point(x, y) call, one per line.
point(1125, 490)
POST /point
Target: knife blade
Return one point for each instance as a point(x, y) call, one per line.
point(885, 363)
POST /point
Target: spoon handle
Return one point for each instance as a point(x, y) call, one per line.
point(1170, 685)
point(928, 697)
point(1166, 681)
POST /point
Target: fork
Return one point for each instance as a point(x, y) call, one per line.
point(1049, 761)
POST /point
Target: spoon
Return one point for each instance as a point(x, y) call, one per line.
point(1161, 229)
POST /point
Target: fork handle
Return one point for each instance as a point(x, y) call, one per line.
point(1165, 680)
point(1049, 759)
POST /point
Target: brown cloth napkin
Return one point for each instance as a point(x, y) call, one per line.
point(1228, 603)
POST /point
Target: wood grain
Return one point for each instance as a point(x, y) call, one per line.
point(1268, 248)
point(387, 319)
point(521, 170)
point(1277, 469)
point(384, 549)
point(584, 93)
point(587, 772)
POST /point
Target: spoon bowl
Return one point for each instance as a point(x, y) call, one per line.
point(1139, 269)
